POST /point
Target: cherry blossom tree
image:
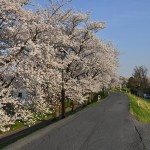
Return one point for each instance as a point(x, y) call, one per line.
point(44, 49)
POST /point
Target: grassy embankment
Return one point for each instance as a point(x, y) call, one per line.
point(139, 107)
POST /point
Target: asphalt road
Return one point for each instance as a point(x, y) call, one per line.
point(106, 126)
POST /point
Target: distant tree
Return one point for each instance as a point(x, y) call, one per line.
point(123, 81)
point(140, 76)
point(139, 80)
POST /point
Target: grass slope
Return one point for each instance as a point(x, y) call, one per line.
point(141, 112)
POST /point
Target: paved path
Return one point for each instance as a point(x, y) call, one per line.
point(106, 126)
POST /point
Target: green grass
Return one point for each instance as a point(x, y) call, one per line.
point(125, 90)
point(17, 125)
point(141, 112)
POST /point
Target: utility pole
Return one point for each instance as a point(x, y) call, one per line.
point(103, 91)
point(63, 96)
point(63, 54)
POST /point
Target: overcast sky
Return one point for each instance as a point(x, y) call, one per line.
point(128, 27)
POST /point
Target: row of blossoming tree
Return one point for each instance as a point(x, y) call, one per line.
point(36, 46)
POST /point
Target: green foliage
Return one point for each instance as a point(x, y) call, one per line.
point(116, 89)
point(141, 112)
point(139, 80)
point(125, 90)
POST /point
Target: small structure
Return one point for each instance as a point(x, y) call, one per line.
point(20, 93)
point(99, 97)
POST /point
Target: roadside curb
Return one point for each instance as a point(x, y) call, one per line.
point(12, 137)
